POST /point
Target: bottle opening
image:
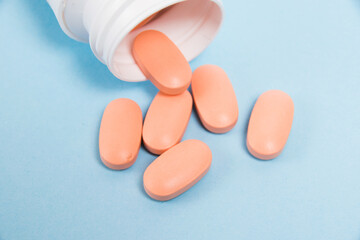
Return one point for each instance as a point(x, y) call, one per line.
point(190, 24)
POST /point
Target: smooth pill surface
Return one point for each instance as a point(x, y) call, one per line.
point(120, 134)
point(166, 121)
point(214, 98)
point(177, 170)
point(270, 124)
point(162, 62)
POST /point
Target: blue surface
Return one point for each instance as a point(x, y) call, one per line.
point(53, 92)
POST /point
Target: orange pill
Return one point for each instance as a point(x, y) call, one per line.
point(177, 170)
point(214, 98)
point(162, 62)
point(166, 121)
point(270, 124)
point(120, 134)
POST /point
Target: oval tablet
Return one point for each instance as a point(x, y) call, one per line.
point(177, 170)
point(166, 121)
point(270, 124)
point(214, 98)
point(162, 62)
point(120, 134)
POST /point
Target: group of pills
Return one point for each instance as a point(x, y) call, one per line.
point(182, 164)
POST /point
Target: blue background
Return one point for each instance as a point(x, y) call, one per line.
point(53, 92)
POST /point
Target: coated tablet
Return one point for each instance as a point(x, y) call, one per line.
point(177, 170)
point(166, 121)
point(162, 62)
point(214, 98)
point(120, 134)
point(270, 124)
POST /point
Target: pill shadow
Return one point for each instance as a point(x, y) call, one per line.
point(196, 115)
point(95, 73)
point(245, 129)
point(145, 164)
point(142, 189)
point(96, 147)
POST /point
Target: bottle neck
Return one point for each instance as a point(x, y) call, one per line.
point(109, 21)
point(112, 26)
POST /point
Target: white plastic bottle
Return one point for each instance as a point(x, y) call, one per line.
point(111, 25)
